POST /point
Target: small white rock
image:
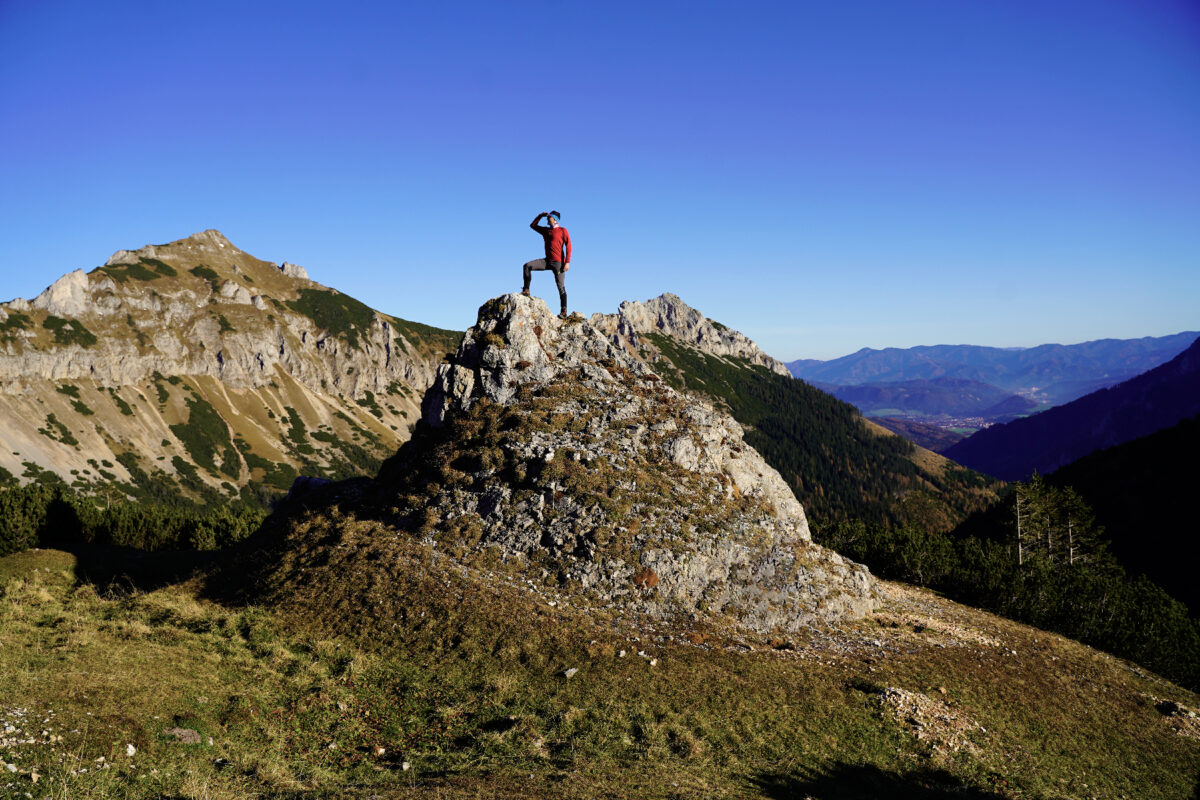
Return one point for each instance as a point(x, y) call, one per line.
point(130, 750)
point(569, 673)
point(405, 767)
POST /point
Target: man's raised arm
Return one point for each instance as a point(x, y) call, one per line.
point(535, 225)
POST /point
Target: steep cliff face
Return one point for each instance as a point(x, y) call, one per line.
point(667, 315)
point(550, 450)
point(195, 346)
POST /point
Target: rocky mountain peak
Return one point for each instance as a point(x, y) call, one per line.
point(108, 365)
point(209, 242)
point(668, 315)
point(550, 442)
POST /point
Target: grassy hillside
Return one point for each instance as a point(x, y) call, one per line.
point(840, 466)
point(467, 697)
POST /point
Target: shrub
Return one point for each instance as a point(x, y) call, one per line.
point(69, 331)
point(645, 579)
point(336, 313)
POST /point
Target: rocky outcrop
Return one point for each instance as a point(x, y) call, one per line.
point(670, 316)
point(557, 444)
point(66, 297)
point(293, 270)
point(199, 247)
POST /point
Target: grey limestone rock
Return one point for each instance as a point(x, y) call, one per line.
point(235, 292)
point(669, 315)
point(623, 479)
point(66, 297)
point(293, 270)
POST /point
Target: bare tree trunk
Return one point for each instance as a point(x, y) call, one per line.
point(1020, 553)
point(1070, 541)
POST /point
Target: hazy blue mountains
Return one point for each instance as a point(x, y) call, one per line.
point(1044, 442)
point(957, 397)
point(1049, 374)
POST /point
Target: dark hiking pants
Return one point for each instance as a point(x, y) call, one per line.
point(540, 264)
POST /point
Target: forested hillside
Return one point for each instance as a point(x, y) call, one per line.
point(840, 466)
point(1138, 490)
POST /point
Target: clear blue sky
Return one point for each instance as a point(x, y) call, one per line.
point(823, 176)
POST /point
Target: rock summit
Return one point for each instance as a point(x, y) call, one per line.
point(548, 444)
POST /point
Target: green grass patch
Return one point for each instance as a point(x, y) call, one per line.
point(57, 431)
point(210, 275)
point(76, 402)
point(431, 339)
point(160, 267)
point(277, 475)
point(16, 321)
point(144, 269)
point(122, 406)
point(205, 435)
point(339, 314)
point(297, 433)
point(368, 402)
point(69, 331)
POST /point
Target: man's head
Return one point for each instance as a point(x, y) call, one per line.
point(552, 218)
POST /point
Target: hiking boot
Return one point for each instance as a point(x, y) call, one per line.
point(563, 314)
point(525, 292)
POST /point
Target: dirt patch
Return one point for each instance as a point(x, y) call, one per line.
point(932, 721)
point(1182, 719)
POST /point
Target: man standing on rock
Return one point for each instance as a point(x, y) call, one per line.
point(558, 254)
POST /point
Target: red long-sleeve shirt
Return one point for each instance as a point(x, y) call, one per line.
point(557, 240)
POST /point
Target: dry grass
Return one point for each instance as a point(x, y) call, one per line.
point(469, 689)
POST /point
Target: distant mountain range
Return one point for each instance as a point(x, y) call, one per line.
point(935, 396)
point(1049, 374)
point(956, 397)
point(1044, 442)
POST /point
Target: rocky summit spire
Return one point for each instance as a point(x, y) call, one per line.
point(546, 440)
point(668, 315)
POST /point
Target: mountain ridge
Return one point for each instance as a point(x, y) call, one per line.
point(195, 369)
point(1044, 442)
point(1047, 373)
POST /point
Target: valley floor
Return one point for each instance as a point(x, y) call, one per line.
point(136, 691)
